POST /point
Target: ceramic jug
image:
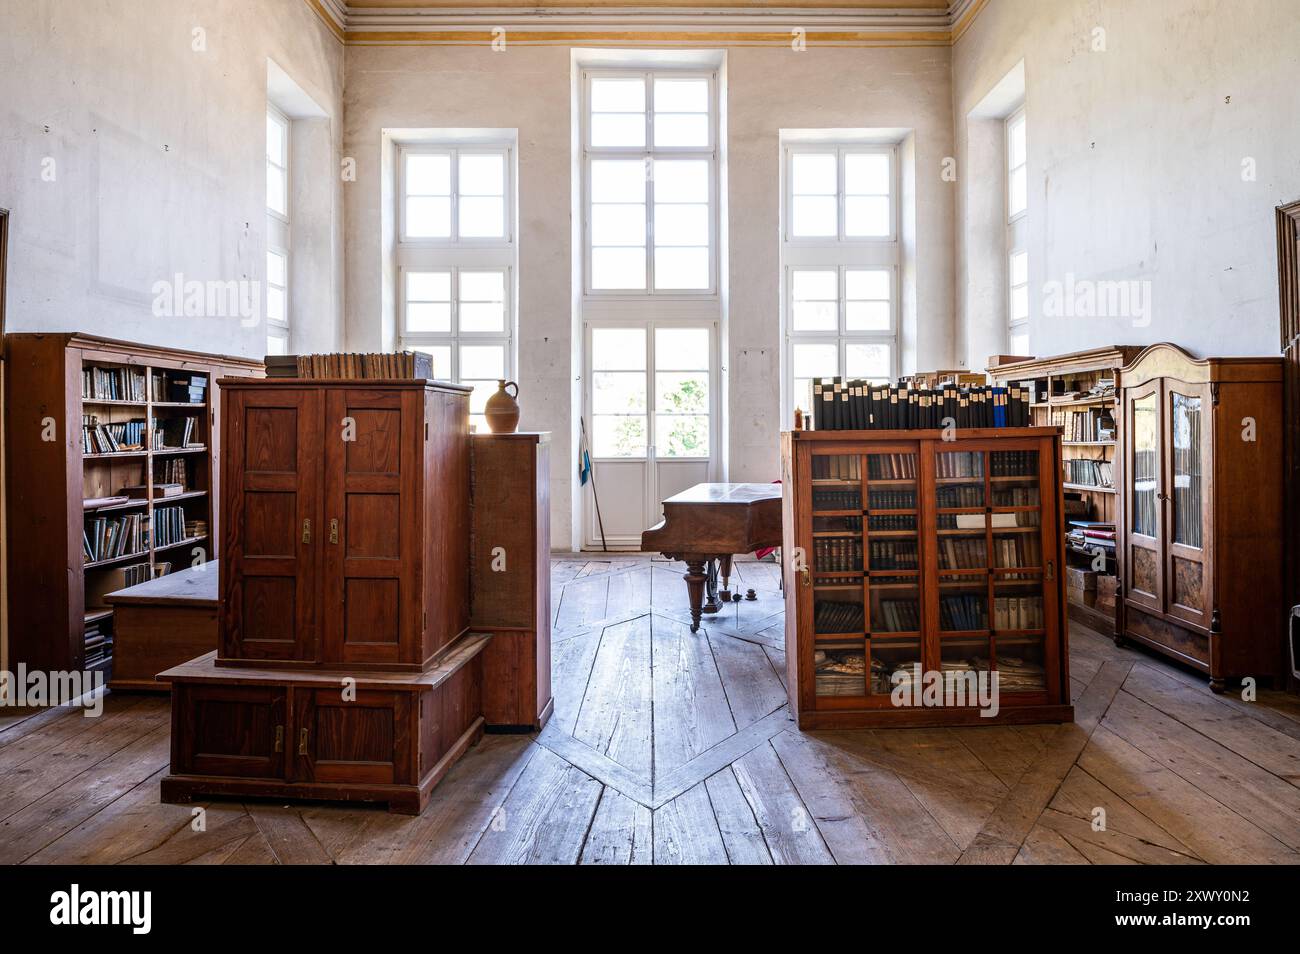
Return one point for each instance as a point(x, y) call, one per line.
point(502, 410)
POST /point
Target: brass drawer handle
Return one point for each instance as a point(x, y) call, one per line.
point(306, 531)
point(334, 531)
point(302, 742)
point(279, 738)
point(806, 576)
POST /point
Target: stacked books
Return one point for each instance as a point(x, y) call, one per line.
point(1014, 464)
point(1086, 535)
point(107, 538)
point(99, 641)
point(183, 388)
point(403, 364)
point(111, 438)
point(893, 555)
point(840, 404)
point(112, 384)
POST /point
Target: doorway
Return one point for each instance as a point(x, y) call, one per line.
point(651, 408)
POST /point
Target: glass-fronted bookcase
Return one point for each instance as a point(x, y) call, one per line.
point(916, 569)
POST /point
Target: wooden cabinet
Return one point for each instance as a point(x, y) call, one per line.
point(909, 559)
point(66, 492)
point(1202, 499)
point(345, 669)
point(300, 734)
point(511, 576)
point(348, 538)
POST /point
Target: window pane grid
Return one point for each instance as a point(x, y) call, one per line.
point(455, 194)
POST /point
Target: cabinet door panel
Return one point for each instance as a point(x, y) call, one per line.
point(270, 512)
point(236, 731)
point(368, 739)
point(371, 592)
point(1187, 441)
point(1144, 583)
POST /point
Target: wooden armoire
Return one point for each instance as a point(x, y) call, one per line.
point(1201, 478)
point(344, 668)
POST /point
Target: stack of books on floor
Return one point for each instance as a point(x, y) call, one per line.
point(840, 404)
point(112, 438)
point(99, 641)
point(388, 365)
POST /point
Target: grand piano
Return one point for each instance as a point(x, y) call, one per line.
point(706, 525)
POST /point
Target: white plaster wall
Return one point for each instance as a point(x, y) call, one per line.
point(1135, 164)
point(159, 159)
point(529, 89)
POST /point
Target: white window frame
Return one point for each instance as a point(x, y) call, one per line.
point(454, 152)
point(840, 254)
point(278, 232)
point(842, 151)
point(458, 255)
point(1017, 226)
point(649, 152)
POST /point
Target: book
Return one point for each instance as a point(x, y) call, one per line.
point(405, 365)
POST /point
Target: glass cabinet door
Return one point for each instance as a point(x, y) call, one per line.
point(1143, 452)
point(1187, 593)
point(894, 604)
point(836, 560)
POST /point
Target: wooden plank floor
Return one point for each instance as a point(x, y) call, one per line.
point(671, 747)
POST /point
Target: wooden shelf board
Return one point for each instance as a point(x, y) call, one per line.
point(109, 402)
point(180, 543)
point(1090, 488)
point(115, 455)
point(93, 616)
point(168, 451)
point(1087, 443)
point(139, 554)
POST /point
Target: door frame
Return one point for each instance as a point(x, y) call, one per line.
point(713, 469)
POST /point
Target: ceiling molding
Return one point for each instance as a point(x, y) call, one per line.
point(636, 23)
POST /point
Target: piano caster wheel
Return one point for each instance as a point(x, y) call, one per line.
point(695, 627)
point(751, 596)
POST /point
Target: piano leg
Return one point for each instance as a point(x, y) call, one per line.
point(710, 588)
point(695, 579)
point(724, 566)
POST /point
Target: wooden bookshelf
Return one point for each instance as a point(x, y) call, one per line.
point(61, 621)
point(946, 555)
point(1068, 392)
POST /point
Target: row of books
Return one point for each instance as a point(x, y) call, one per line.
point(1015, 496)
point(959, 464)
point(402, 364)
point(1092, 424)
point(891, 467)
point(831, 524)
point(835, 554)
point(1013, 463)
point(892, 521)
point(897, 616)
point(963, 611)
point(853, 404)
point(168, 525)
point(830, 616)
point(1017, 612)
point(171, 471)
point(893, 555)
point(962, 553)
point(174, 432)
point(893, 500)
point(836, 467)
point(959, 495)
point(837, 500)
point(107, 538)
point(1090, 473)
point(112, 384)
point(111, 438)
point(1020, 549)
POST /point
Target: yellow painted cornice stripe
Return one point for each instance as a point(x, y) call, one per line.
point(329, 21)
point(641, 38)
point(964, 24)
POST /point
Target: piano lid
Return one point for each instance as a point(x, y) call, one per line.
point(725, 493)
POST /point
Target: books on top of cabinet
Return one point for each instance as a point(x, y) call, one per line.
point(388, 365)
point(840, 404)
